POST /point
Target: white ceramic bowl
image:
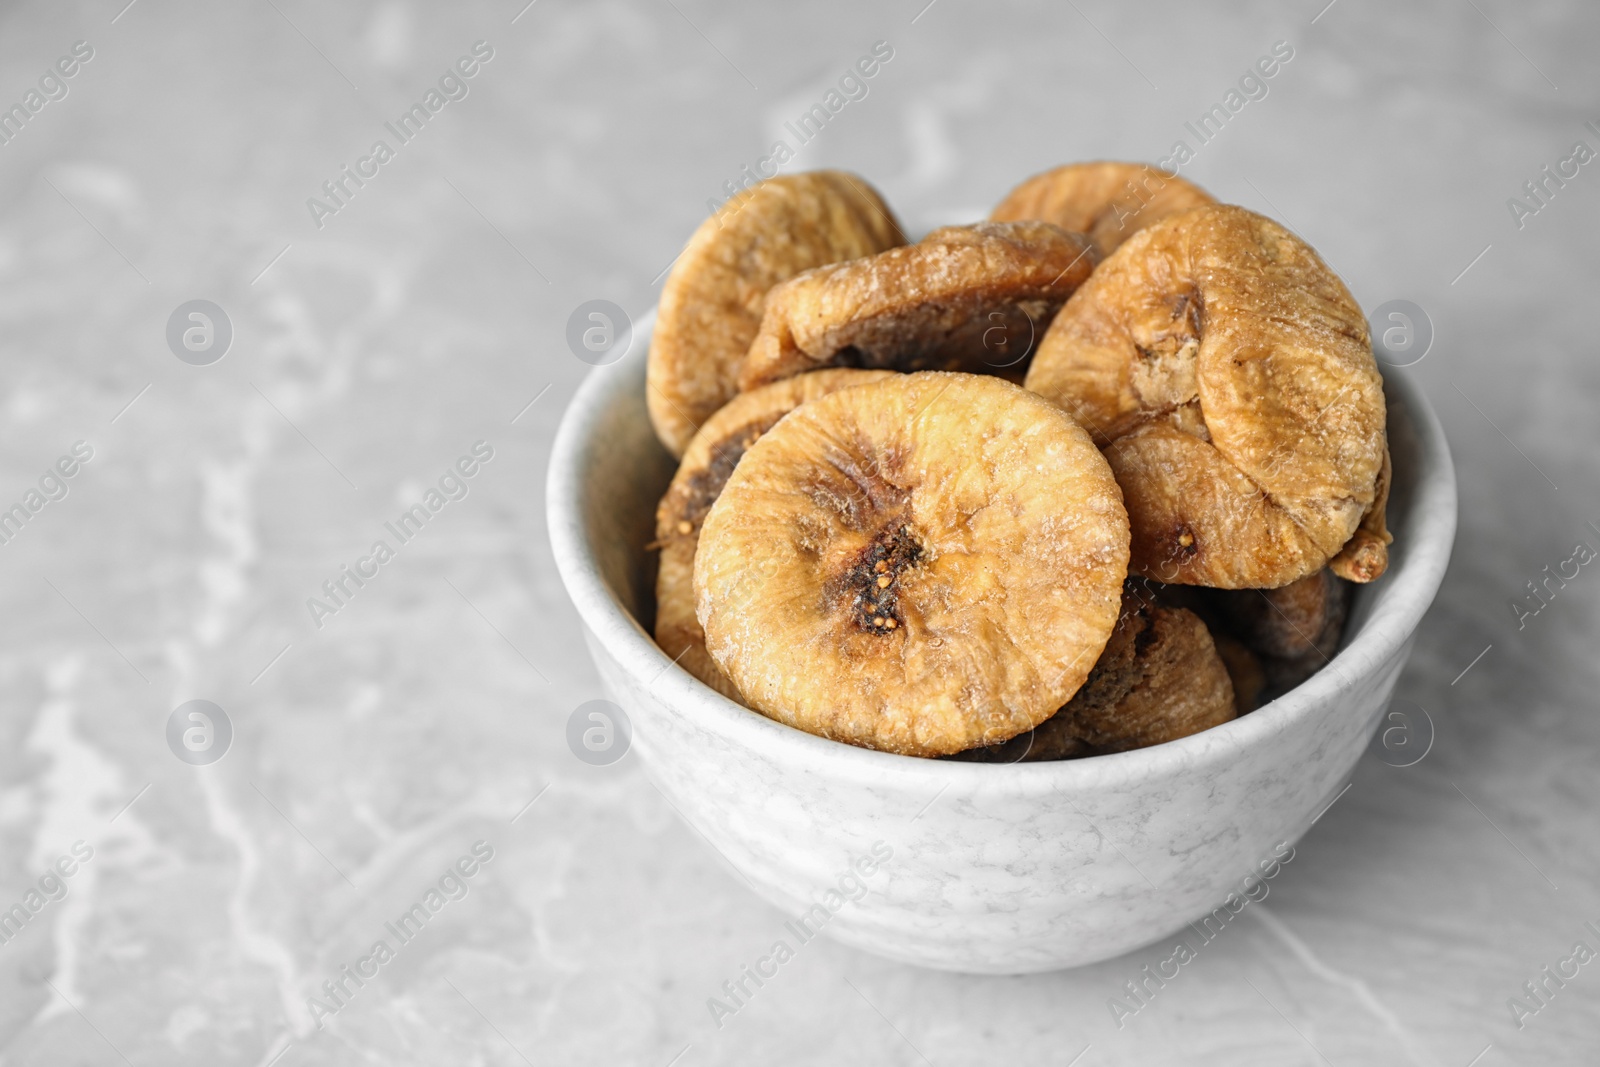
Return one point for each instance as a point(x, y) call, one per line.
point(998, 869)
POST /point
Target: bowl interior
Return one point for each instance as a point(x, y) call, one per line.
point(608, 471)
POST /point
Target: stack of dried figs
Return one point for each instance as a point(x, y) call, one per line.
point(1088, 476)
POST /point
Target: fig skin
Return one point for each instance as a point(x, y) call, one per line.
point(1227, 373)
point(965, 298)
point(1109, 202)
point(708, 461)
point(920, 565)
point(712, 301)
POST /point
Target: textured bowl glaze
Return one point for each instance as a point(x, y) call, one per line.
point(991, 869)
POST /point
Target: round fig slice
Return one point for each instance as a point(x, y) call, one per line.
point(711, 457)
point(711, 303)
point(1227, 373)
point(920, 565)
point(1108, 201)
point(1160, 678)
point(964, 298)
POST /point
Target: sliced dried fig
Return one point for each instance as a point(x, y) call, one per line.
point(711, 457)
point(1109, 202)
point(711, 304)
point(1228, 374)
point(965, 298)
point(1160, 678)
point(920, 565)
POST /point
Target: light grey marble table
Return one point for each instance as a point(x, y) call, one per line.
point(375, 344)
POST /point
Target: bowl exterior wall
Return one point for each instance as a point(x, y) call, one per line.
point(984, 880)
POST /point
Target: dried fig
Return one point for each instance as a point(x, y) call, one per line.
point(1245, 670)
point(1294, 630)
point(920, 565)
point(1305, 617)
point(711, 457)
point(1160, 678)
point(1108, 201)
point(711, 304)
point(1365, 556)
point(967, 298)
point(1228, 375)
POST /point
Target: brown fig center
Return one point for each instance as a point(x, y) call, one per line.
point(873, 582)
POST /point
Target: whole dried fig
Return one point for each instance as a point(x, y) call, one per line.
point(1109, 202)
point(711, 303)
point(966, 298)
point(919, 565)
point(1293, 630)
point(1160, 678)
point(1228, 376)
point(711, 457)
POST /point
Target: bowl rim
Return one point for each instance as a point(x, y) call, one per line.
point(1429, 522)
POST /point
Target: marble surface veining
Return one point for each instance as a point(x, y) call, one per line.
point(419, 730)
